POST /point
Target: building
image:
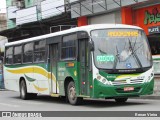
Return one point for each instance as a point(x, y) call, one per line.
point(3, 40)
point(29, 18)
point(3, 26)
point(3, 21)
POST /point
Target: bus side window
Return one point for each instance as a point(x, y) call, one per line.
point(28, 53)
point(9, 55)
point(18, 54)
point(68, 51)
point(39, 51)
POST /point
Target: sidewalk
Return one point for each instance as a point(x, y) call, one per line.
point(154, 97)
point(3, 89)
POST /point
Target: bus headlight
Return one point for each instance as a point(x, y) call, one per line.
point(102, 79)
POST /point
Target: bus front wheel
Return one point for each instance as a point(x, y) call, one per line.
point(121, 100)
point(71, 94)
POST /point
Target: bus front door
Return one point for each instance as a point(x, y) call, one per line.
point(83, 58)
point(53, 65)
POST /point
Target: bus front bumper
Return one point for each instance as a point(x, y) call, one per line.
point(108, 91)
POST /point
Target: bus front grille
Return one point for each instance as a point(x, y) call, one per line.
point(127, 82)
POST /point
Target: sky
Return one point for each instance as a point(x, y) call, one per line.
point(2, 6)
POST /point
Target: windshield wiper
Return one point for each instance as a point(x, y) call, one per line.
point(134, 53)
point(102, 52)
point(117, 59)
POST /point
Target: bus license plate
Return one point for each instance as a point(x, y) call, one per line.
point(128, 88)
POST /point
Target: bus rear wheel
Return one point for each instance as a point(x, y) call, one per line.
point(71, 94)
point(23, 90)
point(121, 100)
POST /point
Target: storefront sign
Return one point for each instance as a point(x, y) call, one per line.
point(153, 17)
point(155, 29)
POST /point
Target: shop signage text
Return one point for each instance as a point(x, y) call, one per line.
point(153, 17)
point(155, 29)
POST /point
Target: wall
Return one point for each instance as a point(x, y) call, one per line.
point(29, 3)
point(10, 23)
point(113, 17)
point(3, 21)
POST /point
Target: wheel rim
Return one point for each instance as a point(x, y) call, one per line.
point(72, 93)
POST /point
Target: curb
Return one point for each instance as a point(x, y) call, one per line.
point(148, 97)
point(3, 90)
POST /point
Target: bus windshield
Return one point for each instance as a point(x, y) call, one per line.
point(121, 49)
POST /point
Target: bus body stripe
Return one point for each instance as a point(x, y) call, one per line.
point(33, 69)
point(29, 78)
point(39, 89)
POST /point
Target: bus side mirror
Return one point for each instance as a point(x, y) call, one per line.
point(91, 45)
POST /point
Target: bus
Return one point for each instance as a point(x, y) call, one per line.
point(101, 61)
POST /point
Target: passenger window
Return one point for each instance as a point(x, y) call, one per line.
point(68, 51)
point(9, 55)
point(39, 52)
point(28, 53)
point(18, 54)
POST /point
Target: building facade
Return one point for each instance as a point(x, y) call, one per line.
point(29, 18)
point(3, 40)
point(3, 21)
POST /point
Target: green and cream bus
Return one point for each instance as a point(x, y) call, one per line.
point(94, 61)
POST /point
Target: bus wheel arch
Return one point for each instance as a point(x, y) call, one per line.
point(70, 92)
point(66, 82)
point(23, 90)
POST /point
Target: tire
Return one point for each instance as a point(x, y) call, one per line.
point(23, 91)
point(121, 100)
point(71, 94)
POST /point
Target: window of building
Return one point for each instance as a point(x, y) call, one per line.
point(9, 55)
point(39, 52)
point(18, 54)
point(28, 53)
point(68, 51)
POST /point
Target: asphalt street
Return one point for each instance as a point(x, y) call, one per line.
point(10, 101)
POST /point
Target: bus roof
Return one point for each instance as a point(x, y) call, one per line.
point(76, 29)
